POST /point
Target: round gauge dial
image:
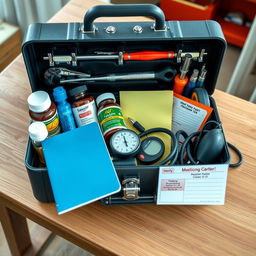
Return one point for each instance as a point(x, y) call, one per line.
point(125, 143)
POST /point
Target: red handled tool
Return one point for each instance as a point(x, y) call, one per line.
point(148, 55)
point(181, 79)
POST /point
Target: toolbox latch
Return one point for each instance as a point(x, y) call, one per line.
point(131, 188)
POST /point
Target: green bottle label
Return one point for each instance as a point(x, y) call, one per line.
point(111, 118)
point(53, 125)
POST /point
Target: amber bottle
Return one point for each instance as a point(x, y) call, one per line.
point(83, 106)
point(43, 110)
point(109, 115)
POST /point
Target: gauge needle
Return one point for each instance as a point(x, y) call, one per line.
point(125, 141)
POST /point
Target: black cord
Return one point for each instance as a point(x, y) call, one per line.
point(178, 135)
point(240, 156)
point(187, 150)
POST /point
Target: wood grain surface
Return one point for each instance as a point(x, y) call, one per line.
point(138, 229)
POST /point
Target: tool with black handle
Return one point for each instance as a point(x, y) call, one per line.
point(163, 75)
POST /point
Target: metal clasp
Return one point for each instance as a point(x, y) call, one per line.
point(131, 188)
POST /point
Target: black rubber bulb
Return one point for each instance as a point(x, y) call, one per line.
point(210, 146)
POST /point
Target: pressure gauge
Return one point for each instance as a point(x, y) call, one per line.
point(151, 150)
point(124, 143)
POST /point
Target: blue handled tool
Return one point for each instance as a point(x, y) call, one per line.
point(191, 84)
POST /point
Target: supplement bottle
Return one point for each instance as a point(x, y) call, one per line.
point(109, 115)
point(64, 109)
point(43, 110)
point(83, 106)
point(38, 133)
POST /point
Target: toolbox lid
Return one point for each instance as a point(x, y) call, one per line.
point(71, 42)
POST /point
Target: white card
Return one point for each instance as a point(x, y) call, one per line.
point(192, 184)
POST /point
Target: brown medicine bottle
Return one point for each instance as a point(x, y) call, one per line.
point(42, 109)
point(38, 133)
point(109, 115)
point(83, 106)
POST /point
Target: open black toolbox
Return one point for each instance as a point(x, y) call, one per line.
point(77, 39)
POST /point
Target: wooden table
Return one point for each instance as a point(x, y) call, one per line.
point(126, 230)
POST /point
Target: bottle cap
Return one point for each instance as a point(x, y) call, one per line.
point(59, 94)
point(38, 131)
point(105, 96)
point(39, 101)
point(73, 92)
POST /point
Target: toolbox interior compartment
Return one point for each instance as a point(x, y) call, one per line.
point(148, 175)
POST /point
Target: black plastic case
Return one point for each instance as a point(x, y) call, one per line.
point(88, 37)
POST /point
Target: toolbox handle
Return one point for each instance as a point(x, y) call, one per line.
point(122, 10)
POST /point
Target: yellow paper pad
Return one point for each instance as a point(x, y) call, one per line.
point(152, 109)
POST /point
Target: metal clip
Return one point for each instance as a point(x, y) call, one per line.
point(201, 55)
point(131, 188)
point(73, 59)
point(120, 58)
point(179, 56)
point(50, 58)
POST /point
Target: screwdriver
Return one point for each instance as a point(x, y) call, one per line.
point(181, 79)
point(201, 78)
point(148, 55)
point(191, 84)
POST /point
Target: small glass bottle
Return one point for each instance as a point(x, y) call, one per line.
point(64, 109)
point(109, 115)
point(43, 110)
point(38, 133)
point(83, 106)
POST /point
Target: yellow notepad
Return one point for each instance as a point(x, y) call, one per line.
point(152, 109)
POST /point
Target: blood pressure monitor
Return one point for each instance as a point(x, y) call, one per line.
point(151, 150)
point(126, 143)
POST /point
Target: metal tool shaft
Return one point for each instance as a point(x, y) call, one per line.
point(185, 67)
point(115, 77)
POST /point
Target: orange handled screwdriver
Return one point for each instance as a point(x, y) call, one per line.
point(149, 55)
point(181, 79)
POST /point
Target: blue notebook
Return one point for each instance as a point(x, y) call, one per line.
point(79, 167)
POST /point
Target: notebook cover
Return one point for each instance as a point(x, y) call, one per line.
point(79, 167)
